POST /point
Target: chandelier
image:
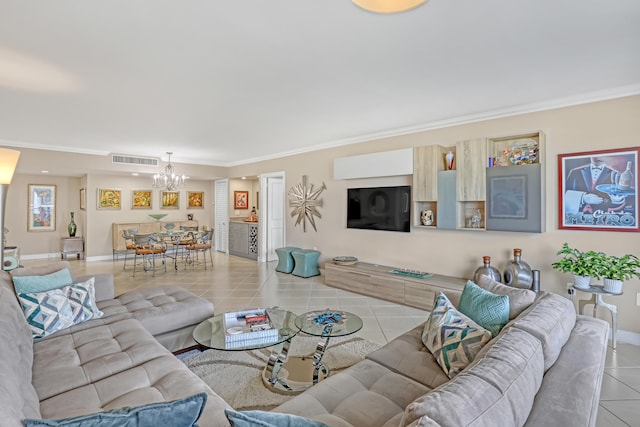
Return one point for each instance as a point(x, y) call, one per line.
point(388, 6)
point(169, 180)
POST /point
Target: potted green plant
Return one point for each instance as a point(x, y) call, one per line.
point(617, 269)
point(582, 265)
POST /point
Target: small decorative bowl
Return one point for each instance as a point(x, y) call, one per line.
point(345, 260)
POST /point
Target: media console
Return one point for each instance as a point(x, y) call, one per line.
point(377, 281)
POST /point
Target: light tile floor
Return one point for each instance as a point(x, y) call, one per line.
point(235, 283)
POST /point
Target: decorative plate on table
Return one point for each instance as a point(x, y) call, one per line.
point(345, 260)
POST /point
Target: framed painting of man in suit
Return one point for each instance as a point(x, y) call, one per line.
point(598, 190)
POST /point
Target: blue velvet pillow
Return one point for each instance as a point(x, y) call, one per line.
point(43, 283)
point(268, 419)
point(178, 413)
point(487, 309)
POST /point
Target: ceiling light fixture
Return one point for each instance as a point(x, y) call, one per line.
point(388, 6)
point(169, 180)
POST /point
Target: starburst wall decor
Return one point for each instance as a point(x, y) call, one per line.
point(303, 198)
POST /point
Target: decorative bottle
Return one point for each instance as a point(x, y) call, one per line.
point(487, 270)
point(626, 178)
point(518, 273)
point(72, 227)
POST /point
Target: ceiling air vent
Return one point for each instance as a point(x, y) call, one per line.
point(130, 160)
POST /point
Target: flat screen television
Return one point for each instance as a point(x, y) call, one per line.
point(380, 208)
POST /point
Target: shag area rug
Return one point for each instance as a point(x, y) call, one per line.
point(236, 376)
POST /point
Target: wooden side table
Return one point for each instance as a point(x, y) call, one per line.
point(596, 299)
point(72, 246)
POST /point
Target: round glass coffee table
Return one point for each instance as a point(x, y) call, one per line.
point(213, 333)
point(326, 324)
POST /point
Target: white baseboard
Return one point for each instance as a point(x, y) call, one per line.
point(627, 337)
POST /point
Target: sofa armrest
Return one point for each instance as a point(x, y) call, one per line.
point(105, 288)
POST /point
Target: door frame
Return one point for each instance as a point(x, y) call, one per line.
point(265, 221)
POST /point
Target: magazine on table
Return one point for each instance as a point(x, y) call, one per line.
point(248, 325)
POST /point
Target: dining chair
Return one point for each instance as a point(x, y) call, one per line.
point(202, 244)
point(149, 248)
point(129, 243)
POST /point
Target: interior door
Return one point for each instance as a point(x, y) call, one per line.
point(273, 215)
point(222, 215)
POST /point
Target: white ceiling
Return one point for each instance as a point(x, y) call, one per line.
point(227, 82)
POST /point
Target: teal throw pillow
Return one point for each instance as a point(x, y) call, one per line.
point(268, 419)
point(43, 283)
point(487, 309)
point(178, 413)
point(452, 338)
point(46, 312)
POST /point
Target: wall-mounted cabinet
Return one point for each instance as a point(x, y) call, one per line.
point(428, 161)
point(495, 184)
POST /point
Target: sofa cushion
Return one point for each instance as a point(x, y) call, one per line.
point(581, 365)
point(519, 299)
point(166, 308)
point(42, 283)
point(269, 419)
point(19, 397)
point(550, 319)
point(498, 389)
point(46, 312)
point(366, 394)
point(489, 310)
point(452, 338)
point(182, 412)
point(408, 356)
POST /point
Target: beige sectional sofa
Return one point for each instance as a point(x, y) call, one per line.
point(106, 363)
point(544, 368)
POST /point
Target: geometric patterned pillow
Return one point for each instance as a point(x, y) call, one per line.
point(46, 312)
point(487, 309)
point(452, 338)
point(82, 298)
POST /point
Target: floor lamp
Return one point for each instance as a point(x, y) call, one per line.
point(8, 161)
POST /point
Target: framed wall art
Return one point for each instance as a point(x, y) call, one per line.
point(109, 198)
point(598, 190)
point(41, 212)
point(140, 199)
point(170, 200)
point(195, 200)
point(83, 199)
point(241, 200)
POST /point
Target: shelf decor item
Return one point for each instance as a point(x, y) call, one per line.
point(598, 190)
point(518, 273)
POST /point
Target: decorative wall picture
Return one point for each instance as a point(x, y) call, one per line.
point(41, 214)
point(170, 200)
point(598, 190)
point(508, 197)
point(304, 199)
point(141, 199)
point(241, 200)
point(109, 198)
point(83, 199)
point(195, 199)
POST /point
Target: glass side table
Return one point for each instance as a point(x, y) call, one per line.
point(326, 324)
point(596, 299)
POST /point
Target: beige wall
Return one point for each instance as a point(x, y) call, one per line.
point(601, 125)
point(248, 185)
point(596, 126)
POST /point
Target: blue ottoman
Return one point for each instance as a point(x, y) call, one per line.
point(306, 262)
point(285, 260)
